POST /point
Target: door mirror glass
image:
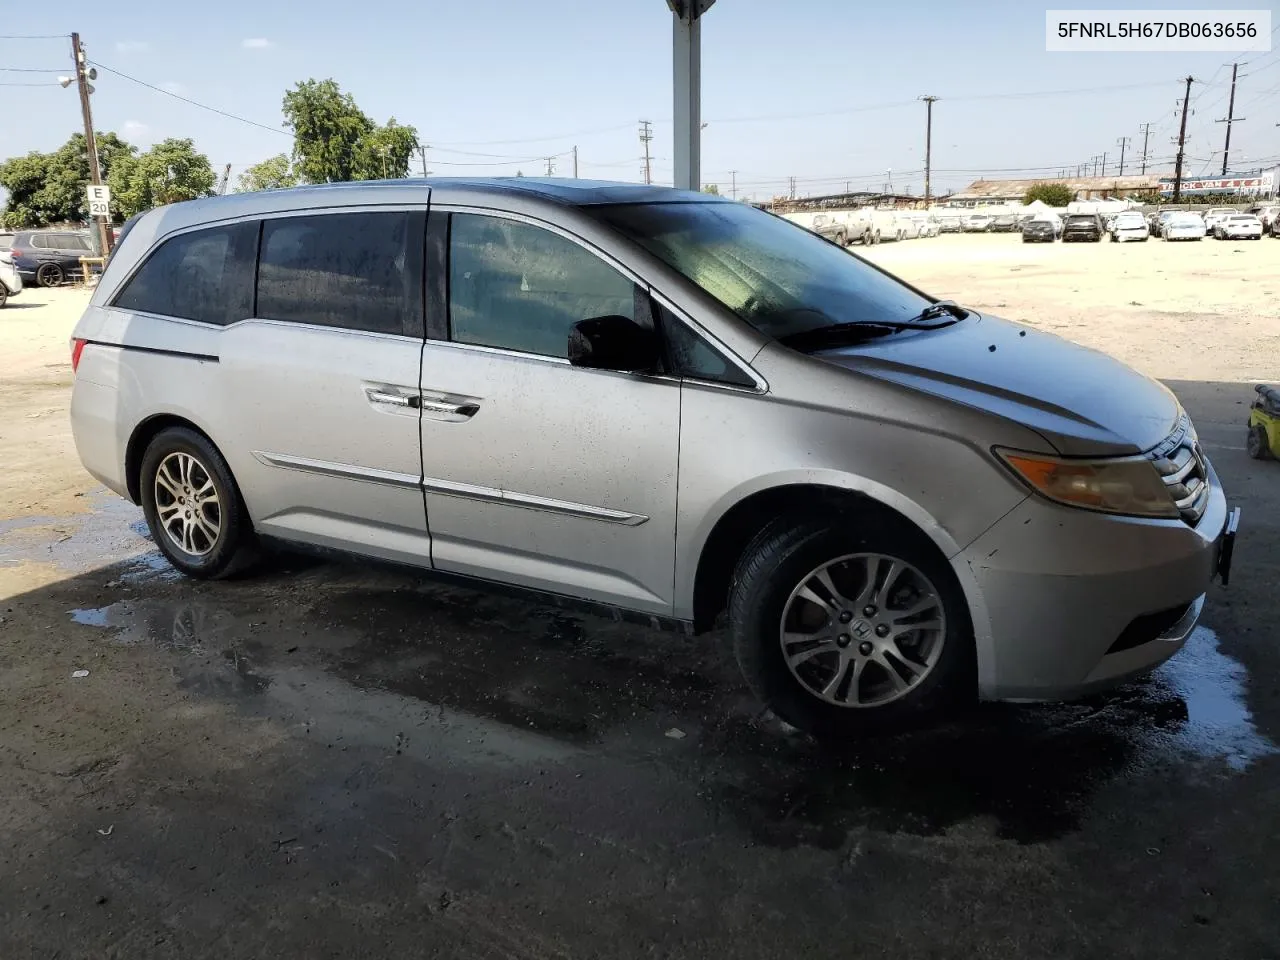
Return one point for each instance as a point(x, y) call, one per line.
point(613, 343)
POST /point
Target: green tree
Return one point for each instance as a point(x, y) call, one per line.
point(48, 188)
point(384, 152)
point(1054, 194)
point(271, 174)
point(169, 172)
point(334, 140)
point(712, 189)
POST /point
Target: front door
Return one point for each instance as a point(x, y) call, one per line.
point(536, 472)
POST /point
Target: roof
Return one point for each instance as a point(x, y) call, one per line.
point(1007, 188)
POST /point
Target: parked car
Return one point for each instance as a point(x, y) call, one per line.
point(1214, 214)
point(1129, 226)
point(976, 223)
point(10, 279)
point(900, 502)
point(1162, 218)
point(1238, 226)
point(950, 222)
point(1082, 226)
point(825, 225)
point(1004, 223)
point(1266, 212)
point(1275, 227)
point(1183, 226)
point(931, 226)
point(50, 257)
point(909, 226)
point(1039, 230)
point(6, 240)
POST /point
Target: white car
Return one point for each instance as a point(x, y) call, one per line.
point(1129, 226)
point(1238, 226)
point(10, 281)
point(1184, 226)
point(1214, 214)
point(976, 223)
point(1267, 214)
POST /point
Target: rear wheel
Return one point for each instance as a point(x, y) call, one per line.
point(49, 275)
point(850, 623)
point(4, 295)
point(193, 506)
point(1256, 443)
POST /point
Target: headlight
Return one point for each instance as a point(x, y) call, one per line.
point(1132, 487)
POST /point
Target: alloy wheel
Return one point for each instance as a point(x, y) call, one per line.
point(862, 630)
point(187, 504)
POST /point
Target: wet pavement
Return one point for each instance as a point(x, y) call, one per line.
point(346, 759)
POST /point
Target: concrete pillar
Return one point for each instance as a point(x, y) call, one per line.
point(686, 83)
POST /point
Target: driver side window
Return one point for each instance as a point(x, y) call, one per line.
point(519, 287)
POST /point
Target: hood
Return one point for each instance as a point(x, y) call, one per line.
point(1083, 402)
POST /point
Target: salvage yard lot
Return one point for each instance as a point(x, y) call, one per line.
point(340, 759)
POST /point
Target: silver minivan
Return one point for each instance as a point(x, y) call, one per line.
point(662, 402)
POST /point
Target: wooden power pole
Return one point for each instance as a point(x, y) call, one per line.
point(91, 142)
point(1231, 118)
point(928, 147)
point(1182, 140)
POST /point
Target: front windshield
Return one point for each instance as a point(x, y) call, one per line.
point(776, 276)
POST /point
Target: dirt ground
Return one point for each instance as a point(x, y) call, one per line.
point(337, 759)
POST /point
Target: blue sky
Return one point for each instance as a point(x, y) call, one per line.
point(822, 90)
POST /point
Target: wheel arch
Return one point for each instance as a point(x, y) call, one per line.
point(743, 513)
point(147, 430)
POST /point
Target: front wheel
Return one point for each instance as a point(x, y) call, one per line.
point(193, 507)
point(49, 275)
point(850, 623)
point(1256, 444)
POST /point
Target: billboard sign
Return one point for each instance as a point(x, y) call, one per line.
point(1250, 185)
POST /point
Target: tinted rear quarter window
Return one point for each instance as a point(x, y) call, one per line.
point(358, 271)
point(204, 275)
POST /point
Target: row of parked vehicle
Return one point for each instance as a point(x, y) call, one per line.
point(869, 225)
point(46, 258)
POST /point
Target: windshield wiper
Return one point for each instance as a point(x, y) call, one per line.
point(836, 334)
point(937, 309)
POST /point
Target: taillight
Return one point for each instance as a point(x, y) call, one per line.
point(15, 253)
point(77, 348)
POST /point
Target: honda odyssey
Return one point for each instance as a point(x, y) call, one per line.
point(662, 402)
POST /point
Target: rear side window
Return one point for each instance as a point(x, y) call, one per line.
point(205, 275)
point(358, 271)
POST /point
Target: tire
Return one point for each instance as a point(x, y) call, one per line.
point(4, 295)
point(763, 597)
point(1256, 444)
point(49, 275)
point(186, 457)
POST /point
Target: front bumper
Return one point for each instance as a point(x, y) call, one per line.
point(1073, 601)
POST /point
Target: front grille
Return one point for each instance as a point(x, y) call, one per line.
point(1185, 471)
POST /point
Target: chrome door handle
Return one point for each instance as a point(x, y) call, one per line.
point(391, 399)
point(444, 406)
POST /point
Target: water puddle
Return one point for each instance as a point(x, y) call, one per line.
point(354, 656)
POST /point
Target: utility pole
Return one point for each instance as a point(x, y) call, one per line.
point(422, 151)
point(645, 136)
point(1123, 142)
point(91, 141)
point(1231, 118)
point(792, 191)
point(1093, 161)
point(1182, 141)
point(551, 166)
point(1146, 134)
point(733, 184)
point(575, 162)
point(929, 101)
point(1104, 163)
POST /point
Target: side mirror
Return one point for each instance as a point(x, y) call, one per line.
point(613, 343)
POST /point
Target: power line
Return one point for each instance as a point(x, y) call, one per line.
point(32, 70)
point(194, 103)
point(46, 83)
point(36, 36)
